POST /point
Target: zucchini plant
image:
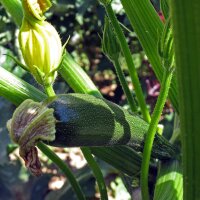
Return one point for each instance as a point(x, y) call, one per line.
point(128, 140)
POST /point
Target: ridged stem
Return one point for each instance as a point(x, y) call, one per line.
point(66, 170)
point(75, 76)
point(186, 30)
point(124, 84)
point(49, 91)
point(167, 76)
point(129, 61)
point(97, 172)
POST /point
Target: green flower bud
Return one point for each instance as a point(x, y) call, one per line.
point(39, 42)
point(41, 49)
point(110, 45)
point(166, 47)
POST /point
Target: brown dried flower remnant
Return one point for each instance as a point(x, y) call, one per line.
point(31, 122)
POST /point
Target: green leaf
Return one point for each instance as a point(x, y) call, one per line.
point(14, 8)
point(105, 2)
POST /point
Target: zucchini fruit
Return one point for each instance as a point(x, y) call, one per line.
point(85, 120)
point(77, 120)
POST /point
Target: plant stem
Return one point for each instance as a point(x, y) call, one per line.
point(167, 76)
point(76, 77)
point(186, 29)
point(51, 155)
point(124, 84)
point(97, 172)
point(129, 62)
point(49, 91)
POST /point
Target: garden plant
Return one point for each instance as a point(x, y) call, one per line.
point(130, 140)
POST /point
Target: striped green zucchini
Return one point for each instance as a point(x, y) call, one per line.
point(85, 120)
point(77, 120)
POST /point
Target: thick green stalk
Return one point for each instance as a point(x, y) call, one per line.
point(152, 131)
point(16, 90)
point(97, 172)
point(66, 170)
point(75, 76)
point(129, 61)
point(186, 29)
point(148, 27)
point(124, 84)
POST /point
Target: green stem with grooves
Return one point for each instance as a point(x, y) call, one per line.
point(76, 77)
point(49, 91)
point(186, 30)
point(88, 156)
point(97, 172)
point(124, 84)
point(129, 61)
point(66, 170)
point(167, 76)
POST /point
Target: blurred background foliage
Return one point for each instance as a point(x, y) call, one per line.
point(82, 20)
